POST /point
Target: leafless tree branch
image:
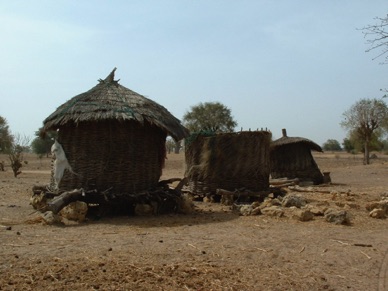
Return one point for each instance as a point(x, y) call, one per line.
point(377, 37)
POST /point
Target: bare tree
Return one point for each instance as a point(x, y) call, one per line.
point(173, 145)
point(364, 118)
point(177, 147)
point(16, 153)
point(377, 37)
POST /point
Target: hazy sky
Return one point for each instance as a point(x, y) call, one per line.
point(276, 64)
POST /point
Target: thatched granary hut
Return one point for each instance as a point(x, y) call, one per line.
point(227, 161)
point(113, 138)
point(291, 158)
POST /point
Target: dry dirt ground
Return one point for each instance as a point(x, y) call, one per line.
point(212, 248)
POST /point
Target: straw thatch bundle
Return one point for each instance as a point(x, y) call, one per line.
point(227, 161)
point(111, 101)
point(114, 138)
point(291, 158)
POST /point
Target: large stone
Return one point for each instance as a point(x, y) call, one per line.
point(316, 210)
point(50, 218)
point(276, 202)
point(293, 200)
point(337, 216)
point(75, 211)
point(256, 211)
point(302, 214)
point(246, 210)
point(273, 211)
point(377, 213)
point(266, 203)
point(383, 205)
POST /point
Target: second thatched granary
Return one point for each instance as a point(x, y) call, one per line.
point(113, 138)
point(228, 161)
point(291, 158)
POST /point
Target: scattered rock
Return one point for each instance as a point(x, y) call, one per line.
point(302, 214)
point(256, 211)
point(276, 202)
point(350, 205)
point(317, 211)
point(384, 195)
point(266, 203)
point(383, 205)
point(377, 213)
point(292, 200)
point(340, 204)
point(38, 201)
point(246, 210)
point(337, 216)
point(323, 203)
point(75, 211)
point(273, 211)
point(372, 205)
point(50, 218)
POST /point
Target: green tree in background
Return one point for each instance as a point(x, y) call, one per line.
point(41, 145)
point(353, 143)
point(365, 119)
point(6, 139)
point(348, 145)
point(331, 145)
point(212, 116)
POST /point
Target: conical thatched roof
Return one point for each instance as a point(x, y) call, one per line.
point(109, 100)
point(285, 140)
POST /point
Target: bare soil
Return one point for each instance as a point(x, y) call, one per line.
point(212, 248)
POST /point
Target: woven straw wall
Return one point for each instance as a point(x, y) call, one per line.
point(294, 161)
point(228, 161)
point(125, 156)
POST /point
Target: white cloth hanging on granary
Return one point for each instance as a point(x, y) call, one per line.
point(60, 163)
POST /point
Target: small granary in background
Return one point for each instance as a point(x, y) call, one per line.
point(227, 161)
point(291, 158)
point(113, 138)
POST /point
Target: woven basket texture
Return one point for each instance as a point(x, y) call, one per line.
point(228, 161)
point(126, 156)
point(294, 160)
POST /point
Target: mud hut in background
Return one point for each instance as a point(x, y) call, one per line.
point(227, 161)
point(291, 158)
point(113, 138)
